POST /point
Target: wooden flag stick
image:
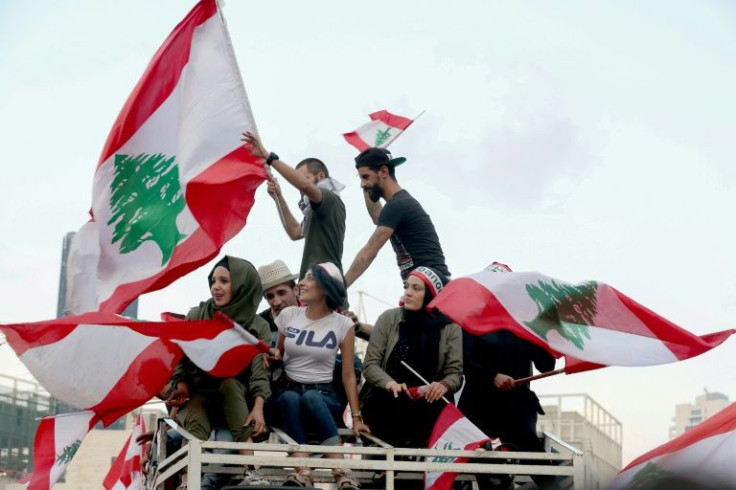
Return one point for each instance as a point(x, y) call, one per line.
point(538, 376)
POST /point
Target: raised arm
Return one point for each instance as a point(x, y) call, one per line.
point(291, 225)
point(368, 253)
point(373, 208)
point(293, 176)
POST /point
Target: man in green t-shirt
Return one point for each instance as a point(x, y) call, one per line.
point(323, 225)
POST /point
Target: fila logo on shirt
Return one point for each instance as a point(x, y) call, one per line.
point(306, 337)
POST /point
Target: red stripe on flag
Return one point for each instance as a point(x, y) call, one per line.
point(143, 379)
point(682, 343)
point(118, 467)
point(159, 79)
point(356, 141)
point(44, 454)
point(722, 422)
point(221, 197)
point(392, 120)
point(24, 336)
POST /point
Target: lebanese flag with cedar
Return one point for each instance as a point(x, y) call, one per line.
point(125, 472)
point(111, 365)
point(174, 182)
point(383, 129)
point(452, 431)
point(591, 323)
point(58, 438)
point(703, 457)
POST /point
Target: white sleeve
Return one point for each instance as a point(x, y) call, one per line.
point(282, 320)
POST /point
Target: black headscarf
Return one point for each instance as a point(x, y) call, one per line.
point(419, 343)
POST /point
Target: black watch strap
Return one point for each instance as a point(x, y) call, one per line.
point(271, 157)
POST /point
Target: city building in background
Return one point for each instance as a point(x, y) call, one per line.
point(688, 415)
point(581, 422)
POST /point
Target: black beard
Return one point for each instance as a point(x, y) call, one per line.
point(375, 194)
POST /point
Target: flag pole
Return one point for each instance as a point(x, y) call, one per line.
point(412, 122)
point(538, 376)
point(244, 96)
point(426, 383)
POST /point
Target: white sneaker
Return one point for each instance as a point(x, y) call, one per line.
point(252, 477)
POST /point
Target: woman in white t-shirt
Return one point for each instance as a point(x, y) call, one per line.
point(309, 339)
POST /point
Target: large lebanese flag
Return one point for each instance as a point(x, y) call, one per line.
point(110, 364)
point(174, 182)
point(383, 129)
point(125, 472)
point(452, 431)
point(703, 456)
point(591, 323)
point(58, 438)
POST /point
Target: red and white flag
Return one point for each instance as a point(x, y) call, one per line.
point(125, 472)
point(452, 431)
point(591, 324)
point(383, 129)
point(174, 182)
point(704, 457)
point(110, 364)
point(57, 439)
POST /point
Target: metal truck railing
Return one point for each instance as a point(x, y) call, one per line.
point(366, 461)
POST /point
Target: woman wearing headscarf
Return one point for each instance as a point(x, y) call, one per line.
point(426, 341)
point(237, 403)
point(309, 339)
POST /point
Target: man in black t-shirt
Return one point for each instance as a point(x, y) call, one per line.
point(402, 219)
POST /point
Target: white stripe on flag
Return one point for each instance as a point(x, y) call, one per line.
point(206, 353)
point(116, 346)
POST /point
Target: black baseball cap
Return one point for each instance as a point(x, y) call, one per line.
point(376, 157)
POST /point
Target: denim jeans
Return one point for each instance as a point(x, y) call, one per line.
point(309, 408)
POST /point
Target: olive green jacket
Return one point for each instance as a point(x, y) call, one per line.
point(385, 337)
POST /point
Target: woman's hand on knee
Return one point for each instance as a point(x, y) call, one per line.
point(396, 388)
point(256, 418)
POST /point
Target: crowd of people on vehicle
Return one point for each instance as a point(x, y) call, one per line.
point(312, 374)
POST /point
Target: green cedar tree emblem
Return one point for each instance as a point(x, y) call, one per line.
point(649, 478)
point(566, 308)
point(382, 136)
point(68, 453)
point(145, 200)
point(444, 459)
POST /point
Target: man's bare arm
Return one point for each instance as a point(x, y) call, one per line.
point(291, 175)
point(368, 253)
point(291, 225)
point(373, 208)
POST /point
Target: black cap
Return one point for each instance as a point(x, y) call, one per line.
point(375, 157)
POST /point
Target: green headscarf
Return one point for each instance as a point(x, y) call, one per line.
point(246, 294)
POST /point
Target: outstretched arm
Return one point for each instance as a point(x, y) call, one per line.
point(291, 175)
point(368, 253)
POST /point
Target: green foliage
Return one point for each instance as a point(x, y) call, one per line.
point(444, 459)
point(146, 198)
point(566, 308)
point(382, 136)
point(68, 453)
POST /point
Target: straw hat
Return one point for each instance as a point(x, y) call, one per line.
point(275, 273)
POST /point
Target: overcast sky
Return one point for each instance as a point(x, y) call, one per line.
point(584, 140)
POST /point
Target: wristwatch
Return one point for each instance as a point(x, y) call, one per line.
point(271, 157)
